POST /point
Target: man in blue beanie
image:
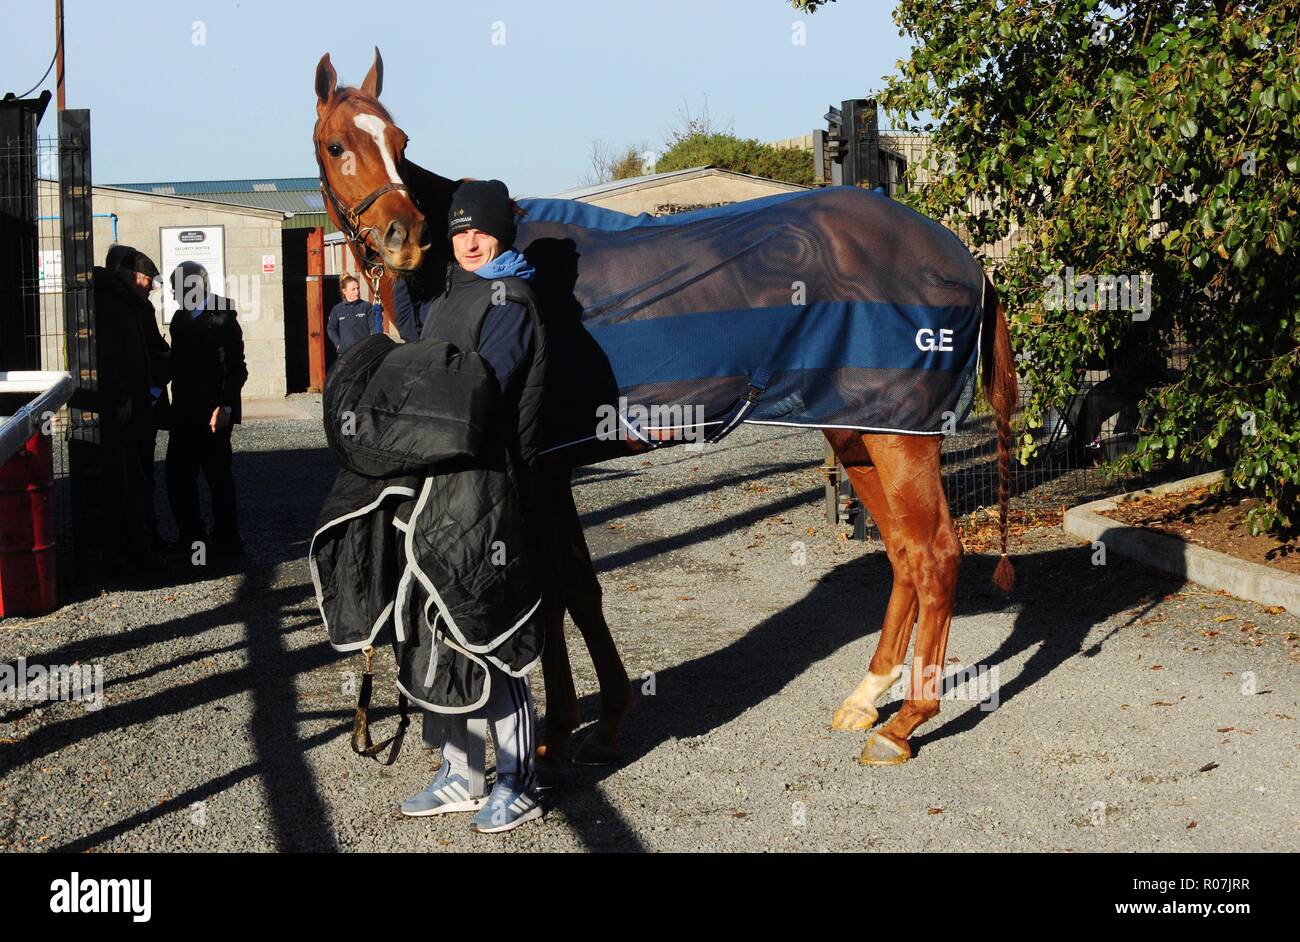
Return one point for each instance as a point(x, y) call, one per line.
point(475, 315)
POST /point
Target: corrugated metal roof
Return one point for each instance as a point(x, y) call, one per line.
point(195, 187)
point(213, 199)
point(286, 194)
point(310, 221)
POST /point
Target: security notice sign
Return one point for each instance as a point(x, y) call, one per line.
point(50, 273)
point(203, 244)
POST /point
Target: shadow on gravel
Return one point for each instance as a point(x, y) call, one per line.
point(1060, 597)
point(704, 486)
point(280, 494)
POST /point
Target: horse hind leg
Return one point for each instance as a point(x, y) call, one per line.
point(911, 482)
point(858, 711)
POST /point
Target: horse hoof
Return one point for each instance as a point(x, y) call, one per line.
point(859, 710)
point(854, 716)
point(881, 750)
point(550, 774)
point(600, 748)
point(549, 760)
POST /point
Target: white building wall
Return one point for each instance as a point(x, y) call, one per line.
point(250, 234)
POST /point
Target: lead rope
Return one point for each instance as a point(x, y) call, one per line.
point(373, 275)
point(361, 743)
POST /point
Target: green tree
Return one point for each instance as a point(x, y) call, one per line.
point(608, 164)
point(1133, 136)
point(739, 154)
point(629, 164)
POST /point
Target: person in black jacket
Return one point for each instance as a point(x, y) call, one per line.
point(138, 269)
point(474, 314)
point(133, 369)
point(353, 319)
point(208, 372)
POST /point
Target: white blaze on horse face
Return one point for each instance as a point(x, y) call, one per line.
point(374, 125)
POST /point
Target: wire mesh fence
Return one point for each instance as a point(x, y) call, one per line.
point(32, 297)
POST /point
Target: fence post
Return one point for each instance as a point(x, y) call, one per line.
point(315, 310)
point(85, 472)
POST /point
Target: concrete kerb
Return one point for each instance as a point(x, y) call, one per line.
point(1215, 570)
point(270, 409)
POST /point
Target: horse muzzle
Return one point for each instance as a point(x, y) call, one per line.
point(403, 249)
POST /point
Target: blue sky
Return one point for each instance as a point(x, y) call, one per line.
point(241, 104)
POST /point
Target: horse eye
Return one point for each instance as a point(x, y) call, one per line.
point(335, 150)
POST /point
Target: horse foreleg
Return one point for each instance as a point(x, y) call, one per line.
point(911, 485)
point(562, 715)
point(583, 599)
point(557, 674)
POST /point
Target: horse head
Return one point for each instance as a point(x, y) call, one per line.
point(359, 150)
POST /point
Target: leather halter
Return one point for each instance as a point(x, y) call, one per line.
point(369, 256)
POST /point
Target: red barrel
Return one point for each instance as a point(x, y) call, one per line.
point(27, 585)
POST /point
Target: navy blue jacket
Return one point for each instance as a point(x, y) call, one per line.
point(406, 311)
point(350, 322)
point(503, 340)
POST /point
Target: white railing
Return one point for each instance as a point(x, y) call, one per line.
point(51, 390)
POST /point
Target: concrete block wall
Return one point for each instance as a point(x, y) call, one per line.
point(802, 142)
point(249, 235)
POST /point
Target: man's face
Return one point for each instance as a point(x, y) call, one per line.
point(474, 249)
point(190, 290)
point(351, 291)
point(142, 284)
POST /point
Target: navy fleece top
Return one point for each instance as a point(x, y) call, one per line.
point(507, 331)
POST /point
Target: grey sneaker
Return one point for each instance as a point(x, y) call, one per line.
point(509, 806)
point(445, 794)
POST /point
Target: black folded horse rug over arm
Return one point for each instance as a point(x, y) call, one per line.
point(424, 539)
point(834, 307)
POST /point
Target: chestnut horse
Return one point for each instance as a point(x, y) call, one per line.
point(380, 201)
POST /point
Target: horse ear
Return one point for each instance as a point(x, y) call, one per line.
point(374, 82)
point(326, 80)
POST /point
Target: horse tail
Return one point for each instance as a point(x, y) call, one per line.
point(998, 376)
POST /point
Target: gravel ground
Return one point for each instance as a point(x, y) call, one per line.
point(1126, 717)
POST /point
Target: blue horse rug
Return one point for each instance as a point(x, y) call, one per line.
point(826, 308)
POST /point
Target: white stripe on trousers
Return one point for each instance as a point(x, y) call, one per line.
point(509, 708)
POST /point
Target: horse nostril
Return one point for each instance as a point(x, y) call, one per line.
point(426, 239)
point(395, 235)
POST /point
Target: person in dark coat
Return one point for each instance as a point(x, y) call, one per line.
point(140, 268)
point(475, 313)
point(353, 319)
point(208, 372)
point(133, 370)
